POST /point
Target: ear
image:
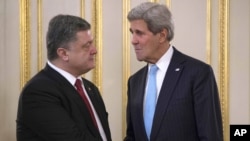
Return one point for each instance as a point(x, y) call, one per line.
point(163, 35)
point(63, 54)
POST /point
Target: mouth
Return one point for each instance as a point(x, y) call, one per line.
point(92, 58)
point(137, 50)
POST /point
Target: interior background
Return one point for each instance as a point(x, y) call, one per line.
point(215, 31)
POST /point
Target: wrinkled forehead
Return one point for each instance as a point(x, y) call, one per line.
point(138, 24)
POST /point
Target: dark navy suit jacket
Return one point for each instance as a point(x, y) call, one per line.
point(188, 107)
point(50, 109)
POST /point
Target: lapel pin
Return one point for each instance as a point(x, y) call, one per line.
point(177, 69)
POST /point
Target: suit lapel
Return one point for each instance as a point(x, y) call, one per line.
point(171, 79)
point(94, 100)
point(71, 93)
point(83, 108)
point(141, 92)
point(98, 105)
point(136, 97)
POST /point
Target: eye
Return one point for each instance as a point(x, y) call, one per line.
point(131, 31)
point(88, 44)
point(138, 32)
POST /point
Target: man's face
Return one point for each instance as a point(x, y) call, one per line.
point(146, 44)
point(81, 53)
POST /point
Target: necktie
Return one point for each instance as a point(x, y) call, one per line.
point(150, 101)
point(79, 88)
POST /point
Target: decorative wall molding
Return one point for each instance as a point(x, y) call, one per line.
point(97, 33)
point(208, 32)
point(82, 8)
point(168, 3)
point(25, 42)
point(223, 64)
point(39, 35)
point(126, 61)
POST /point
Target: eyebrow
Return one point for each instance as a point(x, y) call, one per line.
point(136, 30)
point(89, 42)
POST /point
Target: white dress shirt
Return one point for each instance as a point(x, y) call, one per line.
point(162, 65)
point(72, 81)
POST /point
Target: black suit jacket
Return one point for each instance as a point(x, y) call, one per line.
point(50, 109)
point(188, 107)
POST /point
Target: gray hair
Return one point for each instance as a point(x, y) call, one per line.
point(62, 30)
point(157, 17)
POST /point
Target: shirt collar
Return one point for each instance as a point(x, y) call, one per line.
point(65, 74)
point(166, 57)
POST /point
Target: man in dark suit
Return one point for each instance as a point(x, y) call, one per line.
point(179, 100)
point(57, 104)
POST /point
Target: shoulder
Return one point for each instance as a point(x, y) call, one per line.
point(88, 82)
point(188, 61)
point(138, 77)
point(46, 83)
point(191, 67)
point(90, 85)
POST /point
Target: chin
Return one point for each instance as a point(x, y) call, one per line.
point(91, 67)
point(140, 59)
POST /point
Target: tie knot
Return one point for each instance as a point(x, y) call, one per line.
point(153, 69)
point(78, 83)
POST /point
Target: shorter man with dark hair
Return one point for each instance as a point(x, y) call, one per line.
point(57, 104)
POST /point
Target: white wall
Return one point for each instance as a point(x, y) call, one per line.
point(112, 64)
point(239, 62)
point(9, 69)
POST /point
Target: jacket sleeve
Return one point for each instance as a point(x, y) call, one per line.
point(129, 131)
point(207, 106)
point(42, 113)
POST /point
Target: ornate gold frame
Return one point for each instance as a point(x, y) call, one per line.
point(223, 64)
point(97, 32)
point(168, 3)
point(39, 35)
point(25, 45)
point(156, 1)
point(82, 6)
point(208, 32)
point(125, 61)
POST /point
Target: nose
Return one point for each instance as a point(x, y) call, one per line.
point(93, 49)
point(134, 39)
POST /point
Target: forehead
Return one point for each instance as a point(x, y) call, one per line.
point(84, 35)
point(138, 25)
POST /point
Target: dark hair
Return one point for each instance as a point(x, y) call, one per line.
point(157, 16)
point(62, 30)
